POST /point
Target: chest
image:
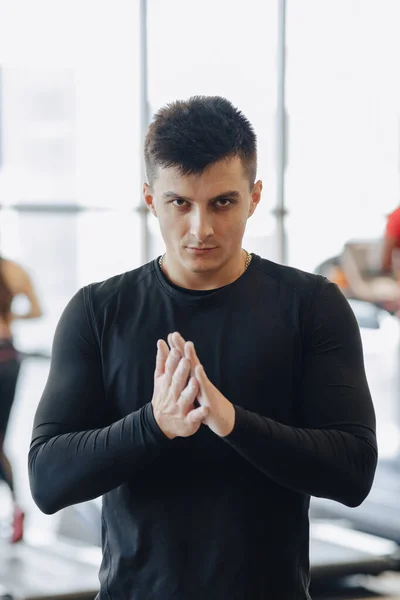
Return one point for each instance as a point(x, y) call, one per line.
point(249, 353)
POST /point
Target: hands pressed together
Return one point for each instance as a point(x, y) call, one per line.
point(180, 380)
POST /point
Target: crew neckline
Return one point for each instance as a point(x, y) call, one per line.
point(203, 297)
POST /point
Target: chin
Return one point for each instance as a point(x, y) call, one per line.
point(203, 266)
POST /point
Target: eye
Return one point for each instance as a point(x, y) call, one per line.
point(223, 202)
point(179, 202)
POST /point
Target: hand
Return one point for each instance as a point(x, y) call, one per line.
point(173, 400)
point(221, 416)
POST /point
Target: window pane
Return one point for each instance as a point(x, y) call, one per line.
point(72, 118)
point(108, 243)
point(221, 48)
point(343, 98)
point(37, 136)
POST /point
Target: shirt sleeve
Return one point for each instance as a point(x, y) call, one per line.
point(333, 454)
point(76, 453)
point(393, 225)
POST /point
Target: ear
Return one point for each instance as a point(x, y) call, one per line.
point(149, 198)
point(255, 196)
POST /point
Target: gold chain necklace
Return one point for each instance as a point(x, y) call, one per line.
point(248, 260)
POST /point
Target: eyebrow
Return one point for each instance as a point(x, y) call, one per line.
point(231, 194)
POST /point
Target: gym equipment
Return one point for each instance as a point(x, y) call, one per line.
point(335, 550)
point(379, 514)
point(54, 570)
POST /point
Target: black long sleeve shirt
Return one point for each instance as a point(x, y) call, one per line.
point(204, 516)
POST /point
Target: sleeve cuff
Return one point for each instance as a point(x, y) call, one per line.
point(152, 426)
point(240, 424)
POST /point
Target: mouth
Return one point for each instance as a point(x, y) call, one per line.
point(199, 251)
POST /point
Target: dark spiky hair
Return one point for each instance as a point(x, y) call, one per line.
point(192, 135)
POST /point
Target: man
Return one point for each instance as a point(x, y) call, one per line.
point(207, 448)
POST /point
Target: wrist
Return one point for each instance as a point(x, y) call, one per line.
point(159, 424)
point(227, 420)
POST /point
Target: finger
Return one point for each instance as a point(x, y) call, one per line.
point(198, 414)
point(190, 353)
point(180, 377)
point(201, 376)
point(172, 361)
point(178, 341)
point(170, 341)
point(161, 358)
point(188, 395)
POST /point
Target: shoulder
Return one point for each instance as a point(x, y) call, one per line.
point(393, 223)
point(101, 301)
point(395, 214)
point(11, 266)
point(101, 294)
point(300, 295)
point(303, 284)
point(14, 273)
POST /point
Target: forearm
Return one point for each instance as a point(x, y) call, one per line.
point(70, 468)
point(328, 463)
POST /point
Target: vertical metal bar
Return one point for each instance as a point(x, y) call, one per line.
point(281, 137)
point(1, 120)
point(144, 122)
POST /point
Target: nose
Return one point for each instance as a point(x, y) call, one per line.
point(201, 225)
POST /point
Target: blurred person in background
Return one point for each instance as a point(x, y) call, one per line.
point(14, 281)
point(391, 241)
point(207, 394)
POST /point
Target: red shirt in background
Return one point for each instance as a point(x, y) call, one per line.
point(393, 226)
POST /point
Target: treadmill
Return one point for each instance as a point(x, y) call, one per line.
point(336, 551)
point(379, 514)
point(61, 569)
point(48, 571)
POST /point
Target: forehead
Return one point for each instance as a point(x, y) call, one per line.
point(218, 178)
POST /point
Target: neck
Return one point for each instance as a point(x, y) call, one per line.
point(183, 276)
